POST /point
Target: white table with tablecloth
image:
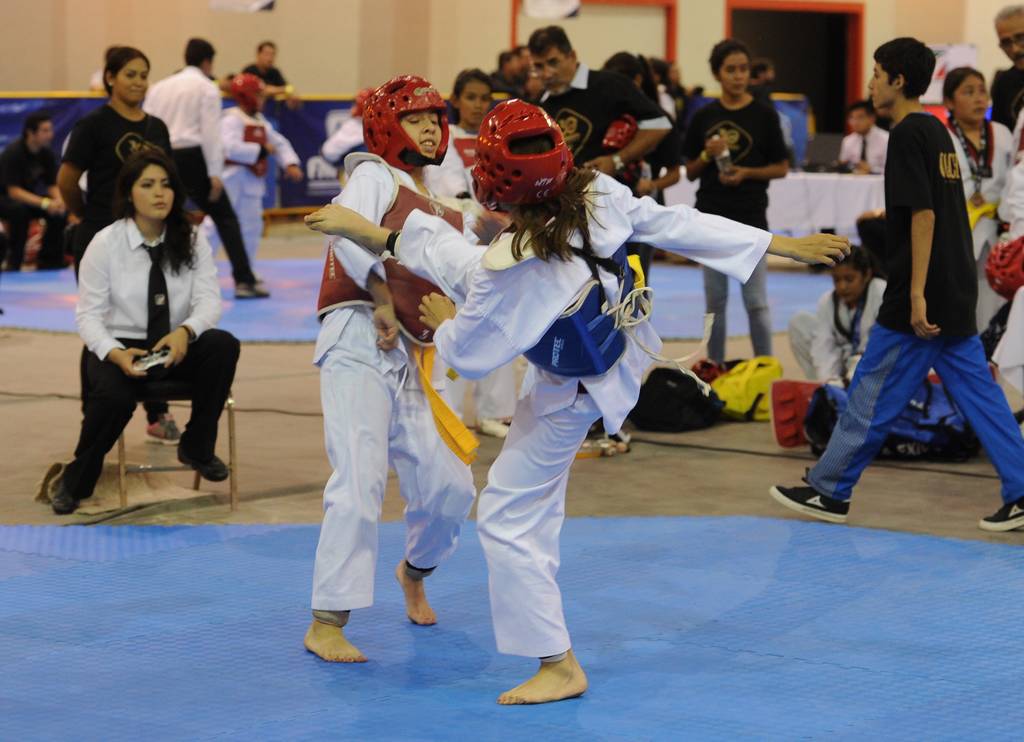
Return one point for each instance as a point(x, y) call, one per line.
point(804, 203)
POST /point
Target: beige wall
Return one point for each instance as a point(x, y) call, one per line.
point(338, 46)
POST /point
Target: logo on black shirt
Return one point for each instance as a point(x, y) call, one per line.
point(129, 144)
point(576, 128)
point(949, 166)
point(739, 140)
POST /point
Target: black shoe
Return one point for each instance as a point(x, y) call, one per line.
point(214, 470)
point(62, 502)
point(808, 501)
point(251, 291)
point(1006, 518)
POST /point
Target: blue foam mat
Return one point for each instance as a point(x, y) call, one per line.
point(45, 300)
point(689, 628)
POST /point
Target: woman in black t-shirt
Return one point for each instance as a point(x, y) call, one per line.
point(746, 138)
point(99, 145)
point(101, 142)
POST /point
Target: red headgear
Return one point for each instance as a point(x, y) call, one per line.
point(500, 176)
point(383, 130)
point(1004, 268)
point(246, 90)
point(360, 101)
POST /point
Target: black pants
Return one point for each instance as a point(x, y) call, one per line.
point(209, 366)
point(192, 168)
point(19, 216)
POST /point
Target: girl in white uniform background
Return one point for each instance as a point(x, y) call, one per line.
point(495, 394)
point(375, 407)
point(569, 230)
point(249, 141)
point(985, 150)
point(828, 343)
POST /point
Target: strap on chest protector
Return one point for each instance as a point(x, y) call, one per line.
point(586, 340)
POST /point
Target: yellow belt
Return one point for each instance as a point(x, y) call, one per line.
point(453, 432)
point(976, 213)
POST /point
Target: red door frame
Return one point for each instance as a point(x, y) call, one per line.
point(671, 14)
point(854, 31)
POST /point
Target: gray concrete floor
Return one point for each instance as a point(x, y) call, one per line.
point(725, 470)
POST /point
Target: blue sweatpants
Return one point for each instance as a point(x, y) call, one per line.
point(892, 369)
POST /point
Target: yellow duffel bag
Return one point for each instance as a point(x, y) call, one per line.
point(745, 388)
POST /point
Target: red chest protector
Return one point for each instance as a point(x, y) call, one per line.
point(257, 134)
point(466, 149)
point(337, 289)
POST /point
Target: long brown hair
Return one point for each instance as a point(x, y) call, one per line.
point(547, 226)
point(179, 241)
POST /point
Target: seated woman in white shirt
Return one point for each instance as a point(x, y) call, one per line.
point(985, 150)
point(828, 343)
point(128, 309)
point(863, 149)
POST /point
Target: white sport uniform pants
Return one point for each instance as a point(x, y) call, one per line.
point(372, 419)
point(801, 334)
point(245, 191)
point(494, 394)
point(519, 519)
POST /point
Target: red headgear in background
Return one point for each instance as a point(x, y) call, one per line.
point(501, 177)
point(360, 101)
point(247, 90)
point(1004, 268)
point(382, 128)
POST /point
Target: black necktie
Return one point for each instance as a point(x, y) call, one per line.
point(864, 148)
point(159, 322)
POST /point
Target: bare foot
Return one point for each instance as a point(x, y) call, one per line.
point(416, 605)
point(329, 643)
point(554, 681)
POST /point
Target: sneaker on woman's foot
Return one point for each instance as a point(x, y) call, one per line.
point(1007, 518)
point(164, 431)
point(808, 501)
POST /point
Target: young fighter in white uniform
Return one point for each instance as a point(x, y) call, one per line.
point(540, 292)
point(249, 140)
point(375, 403)
point(985, 150)
point(495, 394)
point(349, 135)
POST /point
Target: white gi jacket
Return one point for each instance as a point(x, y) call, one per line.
point(233, 124)
point(504, 313)
point(830, 349)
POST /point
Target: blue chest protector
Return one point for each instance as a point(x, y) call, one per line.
point(585, 341)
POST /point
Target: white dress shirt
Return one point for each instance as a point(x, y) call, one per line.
point(504, 313)
point(113, 289)
point(831, 351)
point(878, 145)
point(189, 103)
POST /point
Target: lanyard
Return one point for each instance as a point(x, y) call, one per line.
point(980, 159)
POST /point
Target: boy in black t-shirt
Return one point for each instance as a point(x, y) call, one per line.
point(927, 316)
point(747, 132)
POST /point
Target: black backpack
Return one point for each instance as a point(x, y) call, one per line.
point(671, 402)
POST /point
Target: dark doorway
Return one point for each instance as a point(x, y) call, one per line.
point(812, 56)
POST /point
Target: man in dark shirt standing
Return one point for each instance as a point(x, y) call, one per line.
point(927, 316)
point(28, 191)
point(1008, 85)
point(273, 80)
point(585, 102)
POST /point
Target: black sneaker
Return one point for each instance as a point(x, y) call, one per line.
point(1006, 518)
point(808, 501)
point(62, 502)
point(214, 470)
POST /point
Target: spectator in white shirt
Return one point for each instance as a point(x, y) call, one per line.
point(189, 103)
point(148, 283)
point(863, 149)
point(828, 344)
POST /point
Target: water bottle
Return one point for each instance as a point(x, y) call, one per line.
point(724, 160)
